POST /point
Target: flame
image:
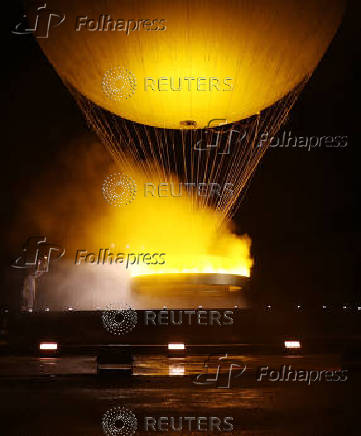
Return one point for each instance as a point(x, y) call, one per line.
point(191, 236)
point(189, 233)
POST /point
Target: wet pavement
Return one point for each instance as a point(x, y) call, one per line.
point(64, 396)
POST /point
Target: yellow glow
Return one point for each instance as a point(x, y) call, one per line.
point(189, 236)
point(266, 47)
point(175, 369)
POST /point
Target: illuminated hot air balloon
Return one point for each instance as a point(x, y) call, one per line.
point(188, 86)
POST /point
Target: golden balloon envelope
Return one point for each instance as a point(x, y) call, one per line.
point(230, 59)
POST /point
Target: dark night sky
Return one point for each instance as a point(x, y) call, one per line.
point(302, 209)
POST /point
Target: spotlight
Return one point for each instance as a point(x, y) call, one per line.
point(176, 346)
point(48, 346)
point(176, 349)
point(292, 345)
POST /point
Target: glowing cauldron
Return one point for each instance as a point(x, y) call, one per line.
point(181, 291)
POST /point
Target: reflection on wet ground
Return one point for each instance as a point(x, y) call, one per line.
point(43, 397)
point(160, 365)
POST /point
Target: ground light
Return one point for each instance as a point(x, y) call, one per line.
point(176, 349)
point(48, 346)
point(292, 345)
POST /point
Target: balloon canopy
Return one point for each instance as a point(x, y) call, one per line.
point(188, 90)
point(181, 63)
